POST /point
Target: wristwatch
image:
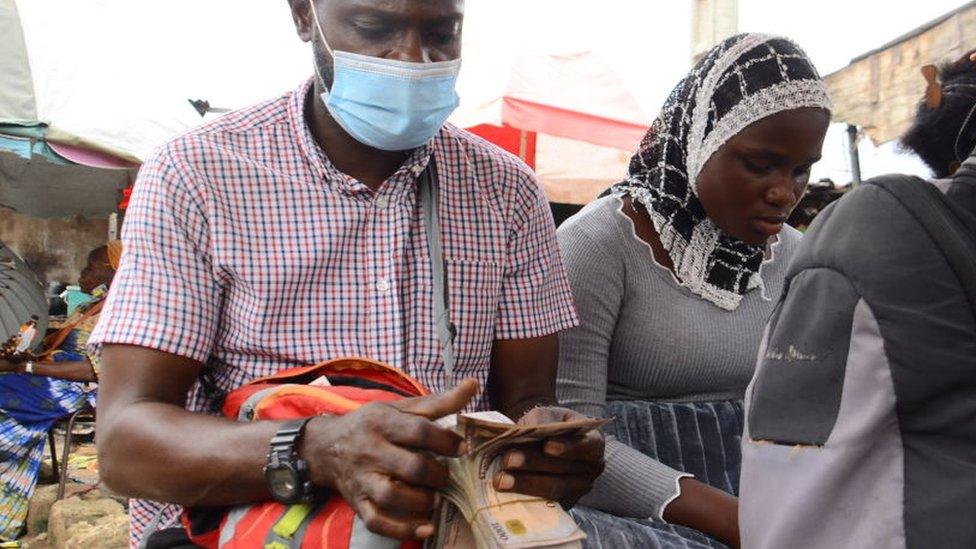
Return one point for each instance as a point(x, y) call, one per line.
point(285, 473)
point(29, 367)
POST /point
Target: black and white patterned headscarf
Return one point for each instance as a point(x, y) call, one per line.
point(742, 80)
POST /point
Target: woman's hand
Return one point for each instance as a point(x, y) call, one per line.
point(561, 469)
point(9, 365)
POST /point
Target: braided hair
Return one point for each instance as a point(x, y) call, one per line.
point(945, 134)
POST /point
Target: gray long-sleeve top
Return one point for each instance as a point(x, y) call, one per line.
point(643, 336)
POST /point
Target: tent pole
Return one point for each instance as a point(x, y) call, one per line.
point(855, 157)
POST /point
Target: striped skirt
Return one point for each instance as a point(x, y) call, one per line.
point(700, 438)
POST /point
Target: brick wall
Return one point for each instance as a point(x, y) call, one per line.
point(880, 92)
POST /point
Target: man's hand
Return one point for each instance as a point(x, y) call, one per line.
point(382, 458)
point(561, 469)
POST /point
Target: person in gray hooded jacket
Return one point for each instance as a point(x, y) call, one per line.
point(860, 428)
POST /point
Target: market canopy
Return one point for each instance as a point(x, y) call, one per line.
point(116, 77)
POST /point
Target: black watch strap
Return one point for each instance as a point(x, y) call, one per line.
point(283, 456)
point(288, 435)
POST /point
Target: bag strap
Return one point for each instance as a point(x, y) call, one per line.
point(54, 341)
point(929, 207)
point(289, 531)
point(446, 331)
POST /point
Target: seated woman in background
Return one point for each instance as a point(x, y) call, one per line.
point(674, 275)
point(34, 394)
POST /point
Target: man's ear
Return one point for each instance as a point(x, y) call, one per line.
point(301, 14)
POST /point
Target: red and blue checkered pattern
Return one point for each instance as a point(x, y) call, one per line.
point(247, 250)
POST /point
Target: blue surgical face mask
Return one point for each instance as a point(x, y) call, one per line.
point(387, 104)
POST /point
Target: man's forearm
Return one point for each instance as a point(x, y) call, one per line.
point(165, 453)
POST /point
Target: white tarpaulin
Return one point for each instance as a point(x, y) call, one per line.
point(119, 73)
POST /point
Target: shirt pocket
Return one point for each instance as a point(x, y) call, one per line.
point(474, 288)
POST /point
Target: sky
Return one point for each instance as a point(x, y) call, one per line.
point(833, 32)
point(122, 68)
point(647, 42)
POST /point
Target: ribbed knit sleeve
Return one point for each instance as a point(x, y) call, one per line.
point(633, 484)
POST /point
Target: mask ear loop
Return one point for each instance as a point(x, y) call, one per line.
point(966, 121)
point(318, 26)
point(962, 131)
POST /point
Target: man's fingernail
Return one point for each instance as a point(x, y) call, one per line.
point(554, 448)
point(505, 482)
point(424, 531)
point(515, 460)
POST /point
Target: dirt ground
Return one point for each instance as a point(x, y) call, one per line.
point(88, 516)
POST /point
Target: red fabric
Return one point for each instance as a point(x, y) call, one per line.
point(551, 120)
point(518, 142)
point(126, 194)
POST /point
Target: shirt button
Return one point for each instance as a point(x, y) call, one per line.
point(382, 202)
point(383, 285)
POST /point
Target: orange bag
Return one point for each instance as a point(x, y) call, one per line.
point(287, 395)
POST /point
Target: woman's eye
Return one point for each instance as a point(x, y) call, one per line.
point(758, 168)
point(802, 175)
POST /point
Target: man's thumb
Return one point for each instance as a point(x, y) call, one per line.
point(441, 404)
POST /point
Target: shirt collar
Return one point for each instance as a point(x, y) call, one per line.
point(403, 180)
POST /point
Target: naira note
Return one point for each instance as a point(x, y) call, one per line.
point(476, 515)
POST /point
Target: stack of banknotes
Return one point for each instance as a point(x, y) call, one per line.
point(475, 515)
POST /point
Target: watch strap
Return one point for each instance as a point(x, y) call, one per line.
point(288, 435)
point(283, 453)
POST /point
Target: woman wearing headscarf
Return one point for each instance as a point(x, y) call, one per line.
point(36, 392)
point(674, 275)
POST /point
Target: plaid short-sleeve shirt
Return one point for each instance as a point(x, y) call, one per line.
point(247, 250)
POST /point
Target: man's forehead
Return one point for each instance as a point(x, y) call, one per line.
point(407, 9)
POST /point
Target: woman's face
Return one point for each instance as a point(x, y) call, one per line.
point(98, 271)
point(751, 184)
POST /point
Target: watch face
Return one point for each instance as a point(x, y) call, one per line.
point(283, 482)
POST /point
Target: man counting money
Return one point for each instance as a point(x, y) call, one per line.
point(291, 232)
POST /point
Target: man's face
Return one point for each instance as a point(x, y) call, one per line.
point(418, 31)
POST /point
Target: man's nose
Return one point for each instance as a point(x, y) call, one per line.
point(411, 48)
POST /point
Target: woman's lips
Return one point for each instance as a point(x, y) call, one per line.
point(769, 225)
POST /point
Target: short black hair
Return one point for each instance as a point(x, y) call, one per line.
point(933, 133)
point(818, 196)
